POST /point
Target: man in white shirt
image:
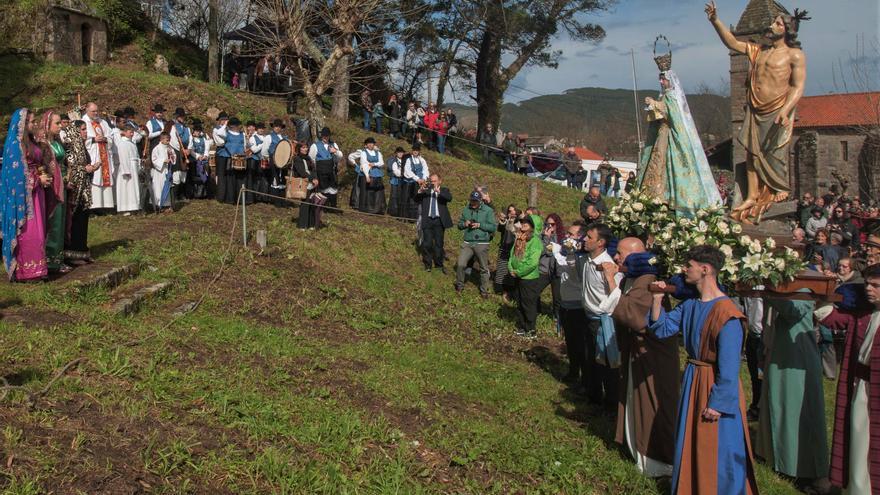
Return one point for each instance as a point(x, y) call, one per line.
point(181, 141)
point(99, 144)
point(415, 174)
point(601, 295)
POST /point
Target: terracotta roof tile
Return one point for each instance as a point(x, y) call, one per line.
point(839, 110)
point(587, 154)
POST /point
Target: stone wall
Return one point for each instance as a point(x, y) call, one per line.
point(819, 153)
point(75, 38)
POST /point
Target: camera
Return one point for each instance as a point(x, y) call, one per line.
point(429, 184)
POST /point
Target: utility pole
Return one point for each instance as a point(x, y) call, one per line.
point(636, 101)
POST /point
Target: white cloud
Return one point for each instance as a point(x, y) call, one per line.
point(830, 39)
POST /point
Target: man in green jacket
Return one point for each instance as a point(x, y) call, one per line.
point(523, 267)
point(478, 223)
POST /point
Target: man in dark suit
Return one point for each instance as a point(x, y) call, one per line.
point(435, 219)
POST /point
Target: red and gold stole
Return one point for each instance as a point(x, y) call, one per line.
point(102, 151)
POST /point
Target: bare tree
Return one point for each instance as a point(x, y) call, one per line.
point(314, 36)
point(213, 41)
point(864, 75)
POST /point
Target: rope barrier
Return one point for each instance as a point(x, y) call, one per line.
point(341, 210)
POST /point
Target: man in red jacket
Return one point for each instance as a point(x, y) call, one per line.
point(855, 451)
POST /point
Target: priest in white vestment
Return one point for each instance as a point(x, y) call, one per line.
point(99, 144)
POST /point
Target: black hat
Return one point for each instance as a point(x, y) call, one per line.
point(179, 112)
point(400, 150)
point(196, 122)
point(325, 132)
point(197, 126)
point(369, 140)
point(234, 121)
point(260, 125)
point(130, 126)
point(250, 123)
point(119, 114)
point(278, 123)
point(417, 147)
point(223, 116)
point(158, 108)
point(128, 112)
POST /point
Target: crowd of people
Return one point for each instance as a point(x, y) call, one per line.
point(620, 332)
point(623, 351)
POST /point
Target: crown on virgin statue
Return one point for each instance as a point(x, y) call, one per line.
point(664, 62)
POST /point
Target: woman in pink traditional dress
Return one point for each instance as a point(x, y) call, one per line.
point(25, 182)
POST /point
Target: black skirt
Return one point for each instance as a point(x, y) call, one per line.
point(374, 196)
point(394, 206)
point(358, 199)
point(408, 192)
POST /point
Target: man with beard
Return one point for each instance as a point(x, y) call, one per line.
point(775, 84)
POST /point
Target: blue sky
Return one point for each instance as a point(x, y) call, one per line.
point(830, 41)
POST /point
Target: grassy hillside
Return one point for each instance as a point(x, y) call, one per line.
point(331, 363)
point(603, 119)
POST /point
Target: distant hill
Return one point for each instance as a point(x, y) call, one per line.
point(600, 119)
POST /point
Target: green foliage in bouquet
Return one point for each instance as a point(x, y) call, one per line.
point(748, 260)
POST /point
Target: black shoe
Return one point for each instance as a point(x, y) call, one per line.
point(459, 289)
point(428, 269)
point(484, 295)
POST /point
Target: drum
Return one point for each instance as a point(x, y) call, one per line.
point(283, 153)
point(239, 162)
point(297, 188)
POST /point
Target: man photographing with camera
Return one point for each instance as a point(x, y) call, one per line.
point(435, 219)
point(478, 224)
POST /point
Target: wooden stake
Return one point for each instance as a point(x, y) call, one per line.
point(533, 195)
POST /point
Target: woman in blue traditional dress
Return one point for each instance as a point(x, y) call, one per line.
point(25, 181)
point(673, 166)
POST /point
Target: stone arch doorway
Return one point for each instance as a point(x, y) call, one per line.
point(86, 43)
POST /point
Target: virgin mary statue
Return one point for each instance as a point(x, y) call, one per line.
point(673, 166)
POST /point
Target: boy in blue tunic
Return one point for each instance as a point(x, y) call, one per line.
point(712, 450)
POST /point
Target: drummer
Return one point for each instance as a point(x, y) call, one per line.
point(277, 182)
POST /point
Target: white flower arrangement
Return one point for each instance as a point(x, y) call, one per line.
point(749, 260)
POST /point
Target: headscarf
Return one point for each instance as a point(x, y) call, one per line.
point(79, 182)
point(44, 139)
point(523, 238)
point(17, 201)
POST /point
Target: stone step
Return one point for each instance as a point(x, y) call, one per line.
point(89, 277)
point(130, 300)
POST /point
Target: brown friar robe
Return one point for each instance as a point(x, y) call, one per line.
point(655, 369)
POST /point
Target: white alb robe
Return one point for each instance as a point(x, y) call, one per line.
point(163, 157)
point(128, 188)
point(860, 419)
point(102, 197)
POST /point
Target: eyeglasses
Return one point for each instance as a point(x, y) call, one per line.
point(551, 224)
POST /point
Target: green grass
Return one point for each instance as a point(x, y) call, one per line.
point(335, 365)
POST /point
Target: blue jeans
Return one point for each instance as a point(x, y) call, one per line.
point(367, 120)
point(441, 143)
point(378, 121)
point(508, 162)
